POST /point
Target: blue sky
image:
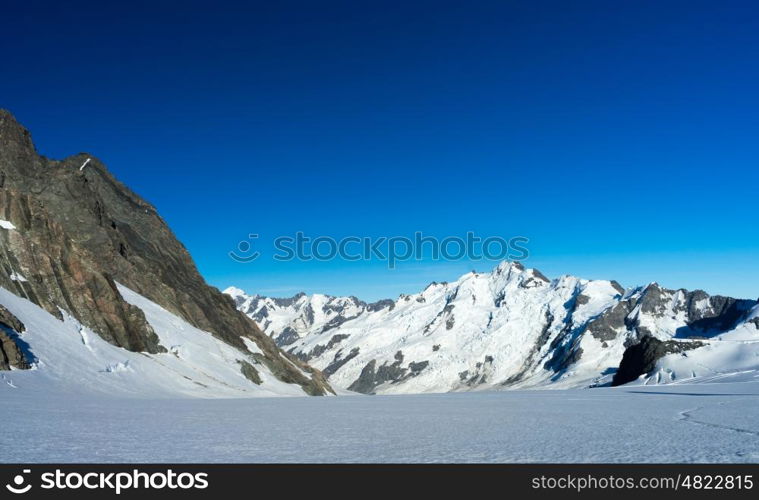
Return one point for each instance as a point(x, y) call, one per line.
point(620, 139)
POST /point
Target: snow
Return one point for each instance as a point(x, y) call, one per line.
point(734, 353)
point(69, 358)
point(454, 327)
point(6, 225)
point(700, 422)
point(193, 405)
point(234, 292)
point(252, 346)
point(18, 277)
point(481, 332)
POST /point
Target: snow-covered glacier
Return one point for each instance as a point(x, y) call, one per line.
point(511, 328)
point(705, 422)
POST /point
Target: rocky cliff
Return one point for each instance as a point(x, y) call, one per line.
point(70, 234)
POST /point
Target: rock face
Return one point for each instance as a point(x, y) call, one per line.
point(641, 358)
point(512, 327)
point(71, 234)
point(11, 346)
point(8, 320)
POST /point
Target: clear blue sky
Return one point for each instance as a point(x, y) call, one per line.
point(622, 138)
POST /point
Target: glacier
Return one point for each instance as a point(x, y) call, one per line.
point(705, 422)
point(511, 328)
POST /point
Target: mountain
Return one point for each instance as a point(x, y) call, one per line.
point(84, 249)
point(512, 327)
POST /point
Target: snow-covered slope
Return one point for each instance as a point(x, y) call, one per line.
point(512, 327)
point(67, 357)
point(734, 353)
point(290, 319)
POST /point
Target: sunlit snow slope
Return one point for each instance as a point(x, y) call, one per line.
point(69, 358)
point(511, 327)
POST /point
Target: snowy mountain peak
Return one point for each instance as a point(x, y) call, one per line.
point(235, 292)
point(511, 327)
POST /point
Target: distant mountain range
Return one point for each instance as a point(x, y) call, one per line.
point(512, 328)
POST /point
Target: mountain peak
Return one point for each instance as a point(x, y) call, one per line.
point(81, 231)
point(235, 292)
point(15, 139)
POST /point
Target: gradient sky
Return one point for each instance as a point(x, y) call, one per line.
point(622, 138)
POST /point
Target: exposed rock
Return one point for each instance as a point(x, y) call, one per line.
point(81, 231)
point(704, 315)
point(582, 299)
point(619, 288)
point(416, 368)
point(722, 313)
point(565, 348)
point(641, 358)
point(339, 361)
point(537, 279)
point(336, 322)
point(366, 382)
point(480, 374)
point(11, 351)
point(9, 320)
point(321, 349)
point(450, 322)
point(372, 376)
point(287, 337)
point(290, 300)
point(11, 346)
point(545, 334)
point(250, 372)
point(611, 323)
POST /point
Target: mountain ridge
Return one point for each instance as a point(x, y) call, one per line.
point(511, 327)
point(72, 232)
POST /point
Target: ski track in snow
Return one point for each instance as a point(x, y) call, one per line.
point(687, 416)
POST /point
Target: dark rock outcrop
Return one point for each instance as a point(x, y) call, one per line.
point(339, 361)
point(479, 375)
point(80, 231)
point(250, 372)
point(372, 376)
point(641, 358)
point(11, 346)
point(321, 349)
point(11, 351)
point(8, 320)
point(703, 315)
point(380, 304)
